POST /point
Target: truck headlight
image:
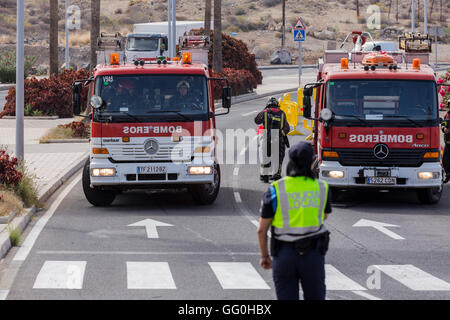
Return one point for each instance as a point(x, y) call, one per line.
point(426, 175)
point(335, 174)
point(103, 172)
point(200, 170)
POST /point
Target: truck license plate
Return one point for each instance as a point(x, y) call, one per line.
point(381, 180)
point(151, 170)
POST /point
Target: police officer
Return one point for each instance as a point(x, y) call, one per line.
point(274, 118)
point(295, 208)
point(446, 157)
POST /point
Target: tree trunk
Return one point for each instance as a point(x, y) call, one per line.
point(357, 8)
point(208, 5)
point(396, 13)
point(217, 57)
point(54, 37)
point(95, 31)
point(431, 11)
point(390, 6)
point(440, 14)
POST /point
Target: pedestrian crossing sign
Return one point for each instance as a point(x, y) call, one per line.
point(299, 35)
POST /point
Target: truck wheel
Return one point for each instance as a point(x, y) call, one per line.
point(205, 194)
point(95, 196)
point(430, 195)
point(336, 194)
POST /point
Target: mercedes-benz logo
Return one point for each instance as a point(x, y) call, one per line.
point(151, 147)
point(381, 151)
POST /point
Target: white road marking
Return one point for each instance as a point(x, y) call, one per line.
point(28, 244)
point(149, 275)
point(380, 226)
point(336, 280)
point(61, 275)
point(237, 197)
point(366, 295)
point(243, 151)
point(150, 227)
point(238, 275)
point(414, 278)
point(144, 253)
point(236, 171)
point(4, 294)
point(249, 113)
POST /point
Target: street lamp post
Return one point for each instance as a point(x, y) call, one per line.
point(20, 80)
point(413, 17)
point(67, 35)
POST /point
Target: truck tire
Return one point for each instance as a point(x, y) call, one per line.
point(336, 194)
point(95, 196)
point(206, 194)
point(430, 195)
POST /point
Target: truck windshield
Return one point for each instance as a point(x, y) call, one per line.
point(414, 102)
point(154, 97)
point(142, 44)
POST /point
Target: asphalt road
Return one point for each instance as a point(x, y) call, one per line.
point(211, 252)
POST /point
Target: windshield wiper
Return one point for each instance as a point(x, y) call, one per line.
point(176, 112)
point(403, 117)
point(355, 117)
point(112, 114)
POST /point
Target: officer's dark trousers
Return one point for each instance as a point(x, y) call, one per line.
point(289, 268)
point(446, 159)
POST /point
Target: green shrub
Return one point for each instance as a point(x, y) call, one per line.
point(26, 189)
point(8, 66)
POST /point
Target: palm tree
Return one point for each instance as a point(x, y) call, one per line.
point(217, 55)
point(208, 17)
point(357, 8)
point(53, 36)
point(95, 31)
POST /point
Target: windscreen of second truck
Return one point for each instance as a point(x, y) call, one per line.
point(142, 44)
point(154, 96)
point(382, 100)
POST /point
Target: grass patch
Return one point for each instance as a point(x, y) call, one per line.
point(9, 202)
point(57, 133)
point(15, 237)
point(27, 189)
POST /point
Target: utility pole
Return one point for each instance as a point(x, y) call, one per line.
point(413, 12)
point(425, 16)
point(54, 64)
point(217, 54)
point(67, 35)
point(169, 27)
point(20, 80)
point(174, 28)
point(283, 29)
point(95, 31)
point(208, 4)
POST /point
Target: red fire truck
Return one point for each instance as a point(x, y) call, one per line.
point(152, 126)
point(377, 121)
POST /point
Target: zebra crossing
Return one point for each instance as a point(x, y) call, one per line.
point(142, 275)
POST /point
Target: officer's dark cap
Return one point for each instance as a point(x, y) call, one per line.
point(302, 154)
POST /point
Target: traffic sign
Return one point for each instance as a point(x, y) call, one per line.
point(300, 25)
point(299, 35)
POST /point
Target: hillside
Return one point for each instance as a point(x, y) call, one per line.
point(258, 23)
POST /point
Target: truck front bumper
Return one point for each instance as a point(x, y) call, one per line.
point(356, 177)
point(128, 174)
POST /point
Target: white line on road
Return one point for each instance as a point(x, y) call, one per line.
point(243, 151)
point(28, 244)
point(237, 197)
point(149, 275)
point(61, 275)
point(236, 171)
point(238, 275)
point(366, 295)
point(3, 294)
point(249, 113)
point(414, 278)
point(144, 253)
point(336, 280)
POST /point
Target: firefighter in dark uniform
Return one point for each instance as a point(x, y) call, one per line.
point(446, 156)
point(295, 208)
point(274, 118)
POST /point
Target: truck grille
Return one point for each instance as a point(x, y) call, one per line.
point(366, 157)
point(166, 152)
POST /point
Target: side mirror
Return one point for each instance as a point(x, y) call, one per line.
point(76, 98)
point(307, 94)
point(226, 97)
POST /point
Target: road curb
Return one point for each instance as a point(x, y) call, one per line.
point(33, 118)
point(18, 223)
point(22, 221)
point(288, 66)
point(6, 87)
point(64, 141)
